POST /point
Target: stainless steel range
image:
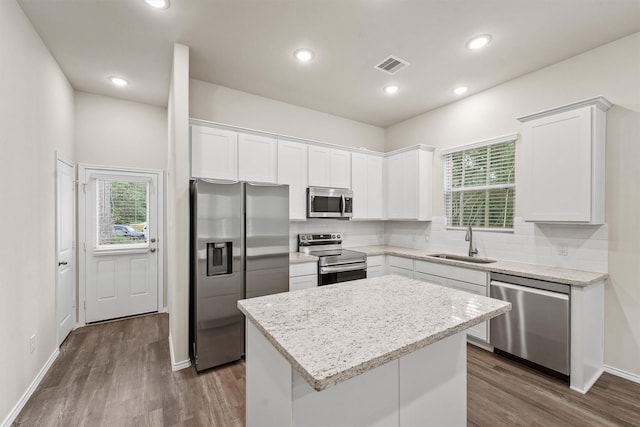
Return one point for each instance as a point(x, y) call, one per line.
point(334, 264)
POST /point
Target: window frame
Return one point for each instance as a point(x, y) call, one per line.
point(448, 181)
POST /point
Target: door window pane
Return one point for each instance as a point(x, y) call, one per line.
point(122, 213)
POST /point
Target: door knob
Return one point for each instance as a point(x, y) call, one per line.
point(153, 240)
point(62, 263)
point(152, 250)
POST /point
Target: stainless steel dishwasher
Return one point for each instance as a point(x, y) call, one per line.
point(537, 329)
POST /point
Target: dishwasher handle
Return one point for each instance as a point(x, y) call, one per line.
point(527, 289)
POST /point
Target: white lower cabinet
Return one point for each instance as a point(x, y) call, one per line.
point(303, 276)
point(463, 279)
point(400, 266)
point(375, 266)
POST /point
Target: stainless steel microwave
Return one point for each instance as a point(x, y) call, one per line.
point(325, 202)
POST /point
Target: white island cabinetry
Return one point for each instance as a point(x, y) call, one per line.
point(307, 367)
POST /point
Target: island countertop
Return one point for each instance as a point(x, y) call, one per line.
point(333, 333)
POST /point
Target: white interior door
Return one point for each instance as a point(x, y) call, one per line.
point(120, 242)
point(65, 249)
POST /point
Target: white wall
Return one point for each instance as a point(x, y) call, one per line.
point(612, 70)
point(178, 208)
point(224, 105)
point(115, 132)
point(36, 120)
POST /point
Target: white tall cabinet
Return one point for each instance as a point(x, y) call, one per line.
point(367, 185)
point(563, 163)
point(214, 153)
point(409, 180)
point(292, 170)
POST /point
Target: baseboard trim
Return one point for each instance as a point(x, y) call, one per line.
point(622, 374)
point(29, 391)
point(177, 366)
point(590, 383)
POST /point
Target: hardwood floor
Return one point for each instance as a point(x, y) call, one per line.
point(119, 374)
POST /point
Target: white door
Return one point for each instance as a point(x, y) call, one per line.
point(65, 249)
point(120, 242)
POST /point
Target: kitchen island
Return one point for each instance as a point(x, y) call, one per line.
point(387, 351)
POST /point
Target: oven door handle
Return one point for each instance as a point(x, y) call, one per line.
point(341, 268)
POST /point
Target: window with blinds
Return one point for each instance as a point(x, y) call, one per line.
point(480, 186)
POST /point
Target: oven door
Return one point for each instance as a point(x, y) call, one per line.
point(342, 273)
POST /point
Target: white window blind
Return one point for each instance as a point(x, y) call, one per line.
point(480, 186)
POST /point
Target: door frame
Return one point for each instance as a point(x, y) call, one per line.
point(64, 159)
point(82, 271)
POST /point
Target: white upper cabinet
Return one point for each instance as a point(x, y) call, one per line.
point(340, 169)
point(563, 163)
point(409, 183)
point(214, 153)
point(257, 158)
point(366, 183)
point(329, 167)
point(292, 170)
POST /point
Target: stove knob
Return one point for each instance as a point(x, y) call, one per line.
point(339, 236)
point(333, 236)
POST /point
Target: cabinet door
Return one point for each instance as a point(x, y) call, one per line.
point(214, 153)
point(319, 166)
point(360, 185)
point(374, 187)
point(257, 157)
point(366, 183)
point(303, 282)
point(292, 170)
point(479, 330)
point(557, 167)
point(402, 186)
point(340, 168)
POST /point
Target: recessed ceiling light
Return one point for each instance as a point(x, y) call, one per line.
point(303, 55)
point(460, 90)
point(118, 81)
point(478, 42)
point(391, 89)
point(158, 4)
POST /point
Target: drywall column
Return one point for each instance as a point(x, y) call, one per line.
point(177, 256)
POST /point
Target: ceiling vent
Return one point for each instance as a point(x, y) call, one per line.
point(392, 65)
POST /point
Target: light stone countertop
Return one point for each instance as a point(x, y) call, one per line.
point(299, 258)
point(542, 272)
point(333, 333)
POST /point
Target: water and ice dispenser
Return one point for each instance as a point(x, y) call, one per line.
point(219, 256)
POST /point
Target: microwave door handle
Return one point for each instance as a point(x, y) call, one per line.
point(342, 204)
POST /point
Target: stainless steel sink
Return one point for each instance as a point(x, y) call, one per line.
point(454, 257)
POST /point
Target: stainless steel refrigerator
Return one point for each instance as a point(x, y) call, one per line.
point(239, 249)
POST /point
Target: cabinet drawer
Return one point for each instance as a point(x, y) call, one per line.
point(401, 272)
point(303, 269)
point(303, 282)
point(456, 273)
point(376, 260)
point(375, 271)
point(396, 261)
point(467, 287)
point(436, 280)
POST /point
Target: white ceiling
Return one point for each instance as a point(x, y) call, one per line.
point(248, 45)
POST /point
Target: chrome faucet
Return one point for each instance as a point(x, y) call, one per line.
point(469, 238)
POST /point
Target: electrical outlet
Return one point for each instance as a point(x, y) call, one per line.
point(32, 343)
point(563, 249)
